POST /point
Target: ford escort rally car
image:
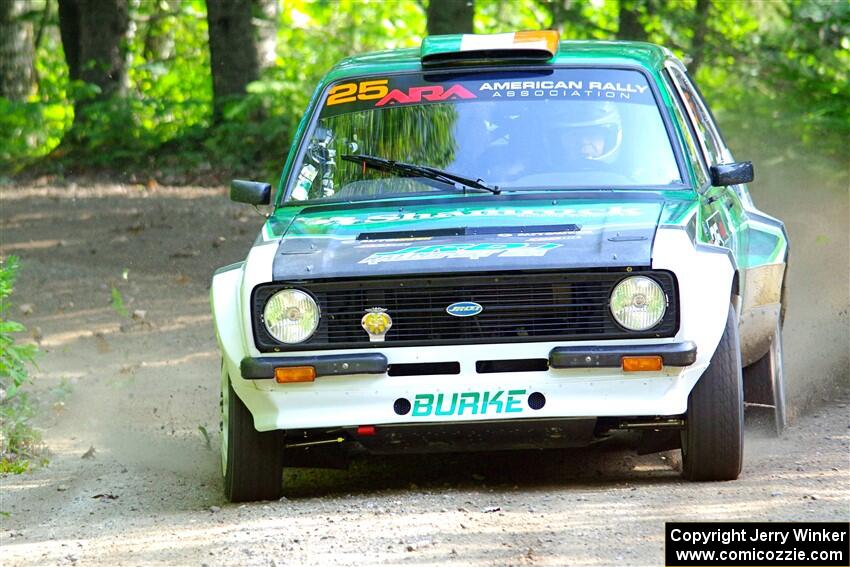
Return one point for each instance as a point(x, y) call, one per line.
point(500, 242)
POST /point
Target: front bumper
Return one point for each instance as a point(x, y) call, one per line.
point(472, 391)
point(261, 368)
point(672, 354)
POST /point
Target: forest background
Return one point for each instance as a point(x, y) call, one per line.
point(195, 91)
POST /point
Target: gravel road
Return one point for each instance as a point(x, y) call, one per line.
point(128, 409)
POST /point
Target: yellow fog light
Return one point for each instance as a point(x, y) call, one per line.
point(376, 322)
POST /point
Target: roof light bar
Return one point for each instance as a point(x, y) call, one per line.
point(525, 45)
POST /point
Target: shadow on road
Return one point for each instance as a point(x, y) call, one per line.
point(607, 463)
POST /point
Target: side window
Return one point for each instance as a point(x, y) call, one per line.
point(709, 140)
point(694, 155)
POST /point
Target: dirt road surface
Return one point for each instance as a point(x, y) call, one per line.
point(128, 409)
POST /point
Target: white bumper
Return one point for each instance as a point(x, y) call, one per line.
point(704, 281)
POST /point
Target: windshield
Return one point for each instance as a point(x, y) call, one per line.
point(553, 129)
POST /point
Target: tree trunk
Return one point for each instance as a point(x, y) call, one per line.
point(16, 51)
point(69, 30)
point(450, 16)
point(629, 16)
point(701, 15)
point(556, 13)
point(156, 38)
point(233, 52)
point(93, 34)
point(267, 15)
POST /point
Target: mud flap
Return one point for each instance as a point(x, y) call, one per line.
point(658, 441)
point(318, 457)
point(764, 390)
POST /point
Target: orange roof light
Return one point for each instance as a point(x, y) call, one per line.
point(290, 374)
point(546, 39)
point(642, 363)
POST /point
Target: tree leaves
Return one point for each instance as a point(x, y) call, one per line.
point(783, 63)
point(13, 357)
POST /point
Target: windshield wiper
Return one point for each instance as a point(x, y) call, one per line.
point(411, 169)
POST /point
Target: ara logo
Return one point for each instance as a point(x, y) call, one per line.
point(431, 93)
point(464, 309)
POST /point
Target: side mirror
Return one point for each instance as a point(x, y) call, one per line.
point(732, 173)
point(251, 192)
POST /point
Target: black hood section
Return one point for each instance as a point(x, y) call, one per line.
point(463, 250)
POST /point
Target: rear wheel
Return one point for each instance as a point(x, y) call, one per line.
point(251, 461)
point(713, 439)
point(764, 387)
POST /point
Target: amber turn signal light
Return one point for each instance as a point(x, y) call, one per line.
point(642, 363)
point(294, 374)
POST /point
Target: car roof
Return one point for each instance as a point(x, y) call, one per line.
point(596, 53)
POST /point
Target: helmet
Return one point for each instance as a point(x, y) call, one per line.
point(588, 130)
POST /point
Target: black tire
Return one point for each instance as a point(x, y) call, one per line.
point(253, 467)
point(764, 388)
point(713, 439)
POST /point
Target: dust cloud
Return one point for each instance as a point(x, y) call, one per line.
point(810, 193)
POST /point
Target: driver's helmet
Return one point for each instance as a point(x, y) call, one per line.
point(589, 132)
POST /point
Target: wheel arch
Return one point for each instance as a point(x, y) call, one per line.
point(225, 306)
point(763, 284)
point(762, 309)
point(706, 275)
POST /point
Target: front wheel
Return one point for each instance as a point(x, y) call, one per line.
point(251, 461)
point(713, 439)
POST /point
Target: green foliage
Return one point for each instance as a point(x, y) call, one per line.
point(30, 130)
point(14, 466)
point(205, 434)
point(118, 302)
point(13, 357)
point(169, 92)
point(778, 66)
point(782, 74)
point(498, 16)
point(17, 438)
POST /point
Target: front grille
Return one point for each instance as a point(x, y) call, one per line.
point(516, 308)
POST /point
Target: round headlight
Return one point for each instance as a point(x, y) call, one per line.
point(291, 316)
point(638, 303)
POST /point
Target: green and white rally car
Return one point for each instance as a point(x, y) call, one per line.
point(498, 242)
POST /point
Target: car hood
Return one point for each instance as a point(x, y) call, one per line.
point(491, 236)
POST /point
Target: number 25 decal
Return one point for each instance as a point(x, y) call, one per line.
point(365, 90)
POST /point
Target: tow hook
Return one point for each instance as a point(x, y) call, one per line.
point(312, 443)
point(653, 424)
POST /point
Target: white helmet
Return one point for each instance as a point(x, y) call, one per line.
point(591, 130)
